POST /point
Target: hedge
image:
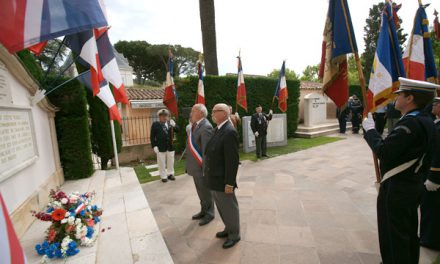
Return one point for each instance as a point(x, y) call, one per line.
point(223, 89)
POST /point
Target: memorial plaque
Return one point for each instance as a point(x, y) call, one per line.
point(315, 109)
point(17, 144)
point(5, 90)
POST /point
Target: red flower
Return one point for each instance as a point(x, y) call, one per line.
point(69, 228)
point(90, 222)
point(51, 235)
point(58, 214)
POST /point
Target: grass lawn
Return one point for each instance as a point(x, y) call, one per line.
point(437, 261)
point(293, 145)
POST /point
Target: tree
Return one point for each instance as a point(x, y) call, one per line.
point(311, 73)
point(353, 77)
point(207, 22)
point(290, 74)
point(48, 54)
point(371, 35)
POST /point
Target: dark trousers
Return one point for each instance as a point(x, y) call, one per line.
point(342, 124)
point(398, 222)
point(355, 122)
point(205, 196)
point(261, 144)
point(380, 121)
point(430, 220)
point(227, 206)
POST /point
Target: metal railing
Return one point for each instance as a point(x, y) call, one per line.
point(136, 130)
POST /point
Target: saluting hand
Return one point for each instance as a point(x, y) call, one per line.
point(172, 123)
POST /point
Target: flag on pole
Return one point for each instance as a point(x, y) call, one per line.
point(418, 58)
point(436, 25)
point(339, 40)
point(387, 65)
point(10, 248)
point(170, 95)
point(200, 87)
point(281, 91)
point(84, 44)
point(105, 94)
point(29, 22)
point(241, 88)
point(38, 48)
point(110, 69)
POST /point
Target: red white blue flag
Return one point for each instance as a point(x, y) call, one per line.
point(200, 86)
point(25, 23)
point(281, 91)
point(241, 88)
point(170, 95)
point(418, 58)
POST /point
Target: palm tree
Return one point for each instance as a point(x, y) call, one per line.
point(207, 21)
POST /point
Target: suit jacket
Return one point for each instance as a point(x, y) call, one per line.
point(434, 171)
point(221, 158)
point(259, 123)
point(162, 137)
point(201, 135)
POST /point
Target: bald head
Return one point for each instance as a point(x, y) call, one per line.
point(220, 112)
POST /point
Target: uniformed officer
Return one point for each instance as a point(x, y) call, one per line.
point(259, 124)
point(430, 205)
point(405, 156)
point(356, 110)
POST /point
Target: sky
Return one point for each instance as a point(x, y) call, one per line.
point(266, 32)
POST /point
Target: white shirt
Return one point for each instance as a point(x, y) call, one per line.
point(220, 126)
point(198, 122)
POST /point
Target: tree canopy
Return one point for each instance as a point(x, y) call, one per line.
point(290, 74)
point(310, 73)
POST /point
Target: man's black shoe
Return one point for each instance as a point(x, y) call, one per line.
point(230, 243)
point(222, 234)
point(171, 177)
point(164, 180)
point(205, 220)
point(198, 216)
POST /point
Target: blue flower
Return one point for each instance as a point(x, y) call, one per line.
point(90, 232)
point(49, 210)
point(72, 245)
point(58, 253)
point(82, 213)
point(94, 207)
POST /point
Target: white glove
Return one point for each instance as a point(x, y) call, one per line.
point(368, 122)
point(430, 186)
point(237, 115)
point(256, 134)
point(270, 112)
point(156, 150)
point(172, 123)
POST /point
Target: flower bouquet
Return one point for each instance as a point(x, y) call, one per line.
point(73, 218)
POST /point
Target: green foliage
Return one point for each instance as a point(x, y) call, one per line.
point(353, 77)
point(223, 89)
point(290, 74)
point(28, 61)
point(149, 61)
point(311, 73)
point(72, 129)
point(49, 53)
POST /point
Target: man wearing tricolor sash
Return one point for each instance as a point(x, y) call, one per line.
point(198, 136)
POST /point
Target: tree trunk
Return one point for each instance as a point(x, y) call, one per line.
point(207, 21)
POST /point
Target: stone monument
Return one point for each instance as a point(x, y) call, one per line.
point(315, 109)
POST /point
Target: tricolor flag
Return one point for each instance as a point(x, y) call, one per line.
point(10, 248)
point(38, 48)
point(241, 88)
point(418, 58)
point(281, 90)
point(387, 64)
point(25, 23)
point(79, 208)
point(84, 44)
point(200, 87)
point(170, 95)
point(105, 94)
point(110, 69)
point(436, 25)
point(339, 40)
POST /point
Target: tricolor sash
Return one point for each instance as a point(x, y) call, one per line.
point(194, 149)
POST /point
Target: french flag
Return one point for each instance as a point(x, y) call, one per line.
point(110, 69)
point(200, 88)
point(25, 23)
point(80, 207)
point(105, 94)
point(241, 88)
point(418, 58)
point(170, 95)
point(281, 90)
point(84, 44)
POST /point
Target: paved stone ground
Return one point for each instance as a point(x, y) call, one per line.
point(312, 206)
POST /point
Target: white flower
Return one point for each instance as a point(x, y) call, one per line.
point(78, 222)
point(64, 200)
point(67, 214)
point(64, 221)
point(71, 220)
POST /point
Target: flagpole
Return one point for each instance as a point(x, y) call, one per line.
point(115, 149)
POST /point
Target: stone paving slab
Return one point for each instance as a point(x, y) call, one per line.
point(131, 232)
point(312, 206)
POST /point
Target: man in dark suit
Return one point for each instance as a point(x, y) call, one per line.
point(259, 124)
point(162, 136)
point(405, 158)
point(199, 134)
point(221, 166)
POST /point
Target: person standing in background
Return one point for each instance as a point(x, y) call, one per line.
point(235, 118)
point(259, 124)
point(356, 109)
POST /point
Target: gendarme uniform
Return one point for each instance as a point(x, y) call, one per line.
point(430, 205)
point(405, 157)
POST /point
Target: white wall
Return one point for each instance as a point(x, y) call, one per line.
point(127, 77)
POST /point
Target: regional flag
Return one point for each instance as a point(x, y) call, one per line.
point(170, 95)
point(418, 58)
point(436, 25)
point(29, 22)
point(200, 87)
point(241, 88)
point(281, 89)
point(339, 40)
point(387, 64)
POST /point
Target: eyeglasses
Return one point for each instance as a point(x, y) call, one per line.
point(217, 110)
